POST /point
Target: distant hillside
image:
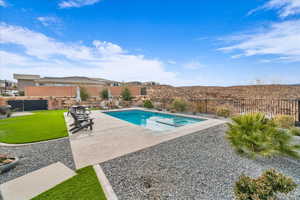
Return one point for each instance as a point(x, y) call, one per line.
point(251, 91)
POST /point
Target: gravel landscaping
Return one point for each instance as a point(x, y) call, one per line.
point(36, 156)
point(197, 166)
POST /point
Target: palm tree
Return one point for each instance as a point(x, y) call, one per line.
point(254, 135)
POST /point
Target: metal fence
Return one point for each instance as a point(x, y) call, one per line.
point(28, 105)
point(270, 107)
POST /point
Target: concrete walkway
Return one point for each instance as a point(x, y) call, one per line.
point(34, 183)
point(113, 137)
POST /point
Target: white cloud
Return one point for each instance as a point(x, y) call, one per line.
point(281, 40)
point(47, 56)
point(284, 8)
point(76, 3)
point(193, 65)
point(107, 48)
point(11, 58)
point(48, 20)
point(2, 3)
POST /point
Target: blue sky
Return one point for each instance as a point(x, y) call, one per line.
point(175, 42)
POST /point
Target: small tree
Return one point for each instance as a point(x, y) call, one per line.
point(179, 105)
point(126, 94)
point(148, 104)
point(84, 95)
point(254, 135)
point(104, 94)
point(223, 112)
point(265, 187)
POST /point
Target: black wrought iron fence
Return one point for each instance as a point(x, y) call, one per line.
point(270, 107)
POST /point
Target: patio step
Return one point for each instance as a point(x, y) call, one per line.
point(36, 182)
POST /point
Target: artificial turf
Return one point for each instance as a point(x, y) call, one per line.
point(42, 125)
point(83, 186)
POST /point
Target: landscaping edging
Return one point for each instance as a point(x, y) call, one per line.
point(106, 186)
point(31, 143)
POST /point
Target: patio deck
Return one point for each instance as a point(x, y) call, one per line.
point(113, 137)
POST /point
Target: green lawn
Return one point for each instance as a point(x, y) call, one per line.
point(42, 125)
point(83, 186)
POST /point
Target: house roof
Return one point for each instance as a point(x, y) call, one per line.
point(73, 79)
point(68, 79)
point(26, 76)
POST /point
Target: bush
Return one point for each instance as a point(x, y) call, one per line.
point(295, 131)
point(264, 187)
point(254, 135)
point(179, 105)
point(104, 94)
point(223, 112)
point(126, 94)
point(84, 95)
point(200, 108)
point(284, 121)
point(148, 104)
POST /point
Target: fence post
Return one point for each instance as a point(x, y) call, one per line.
point(298, 122)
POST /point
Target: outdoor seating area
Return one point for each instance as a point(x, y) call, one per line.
point(81, 117)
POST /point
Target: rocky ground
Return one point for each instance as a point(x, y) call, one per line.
point(197, 166)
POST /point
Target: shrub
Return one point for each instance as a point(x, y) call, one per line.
point(223, 112)
point(84, 95)
point(200, 108)
point(126, 94)
point(104, 94)
point(179, 105)
point(148, 104)
point(284, 121)
point(254, 135)
point(295, 131)
point(264, 187)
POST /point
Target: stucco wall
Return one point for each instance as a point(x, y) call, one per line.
point(57, 91)
point(70, 91)
point(116, 91)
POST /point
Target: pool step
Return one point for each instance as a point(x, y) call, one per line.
point(168, 123)
point(36, 182)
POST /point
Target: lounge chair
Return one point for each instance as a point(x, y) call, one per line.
point(80, 122)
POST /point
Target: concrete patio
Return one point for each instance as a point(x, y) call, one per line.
point(113, 137)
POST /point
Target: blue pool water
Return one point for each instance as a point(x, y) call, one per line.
point(153, 120)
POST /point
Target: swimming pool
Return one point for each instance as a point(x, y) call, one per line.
point(153, 120)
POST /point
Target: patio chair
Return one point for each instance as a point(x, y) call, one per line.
point(80, 123)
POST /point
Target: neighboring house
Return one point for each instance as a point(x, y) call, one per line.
point(25, 80)
point(8, 88)
point(150, 83)
point(2, 84)
point(138, 83)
